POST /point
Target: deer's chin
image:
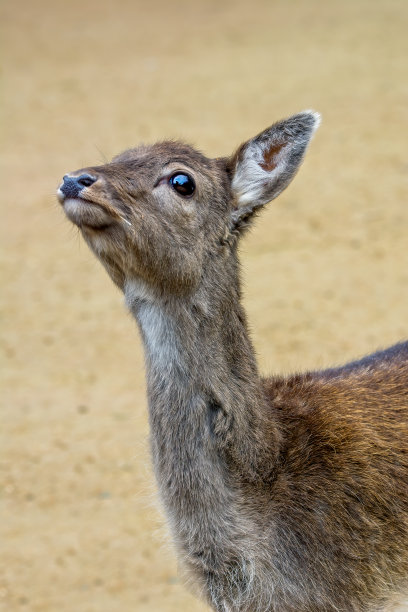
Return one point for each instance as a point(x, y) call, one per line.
point(86, 215)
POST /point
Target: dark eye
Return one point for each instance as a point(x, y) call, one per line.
point(183, 184)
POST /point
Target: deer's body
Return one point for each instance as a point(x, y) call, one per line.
point(284, 495)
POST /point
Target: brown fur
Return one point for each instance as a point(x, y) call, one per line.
point(270, 156)
point(282, 494)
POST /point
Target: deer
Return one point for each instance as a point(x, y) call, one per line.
point(282, 493)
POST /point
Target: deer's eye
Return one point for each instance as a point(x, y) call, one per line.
point(183, 184)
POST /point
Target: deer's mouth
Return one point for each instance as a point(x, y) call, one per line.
point(85, 213)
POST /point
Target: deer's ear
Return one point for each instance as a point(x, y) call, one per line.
point(265, 165)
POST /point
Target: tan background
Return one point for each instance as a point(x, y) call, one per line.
point(326, 269)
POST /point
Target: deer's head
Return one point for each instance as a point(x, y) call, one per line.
point(160, 213)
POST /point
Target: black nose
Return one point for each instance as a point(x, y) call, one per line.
point(74, 184)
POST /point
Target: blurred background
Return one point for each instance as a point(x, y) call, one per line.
point(325, 269)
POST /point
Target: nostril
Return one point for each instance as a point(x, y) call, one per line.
point(85, 180)
point(73, 185)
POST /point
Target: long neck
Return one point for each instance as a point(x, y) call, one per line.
point(206, 404)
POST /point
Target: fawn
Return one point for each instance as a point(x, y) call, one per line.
point(282, 494)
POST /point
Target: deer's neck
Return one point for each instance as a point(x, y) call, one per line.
point(205, 402)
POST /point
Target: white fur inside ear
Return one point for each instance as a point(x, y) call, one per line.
point(250, 177)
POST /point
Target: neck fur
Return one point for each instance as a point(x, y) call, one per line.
point(206, 414)
point(194, 347)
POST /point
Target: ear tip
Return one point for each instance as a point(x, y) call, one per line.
point(315, 116)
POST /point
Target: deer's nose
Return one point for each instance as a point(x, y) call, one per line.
point(73, 185)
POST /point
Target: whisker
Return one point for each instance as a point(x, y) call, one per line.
point(125, 220)
point(102, 154)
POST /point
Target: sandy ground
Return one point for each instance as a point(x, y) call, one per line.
point(326, 269)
